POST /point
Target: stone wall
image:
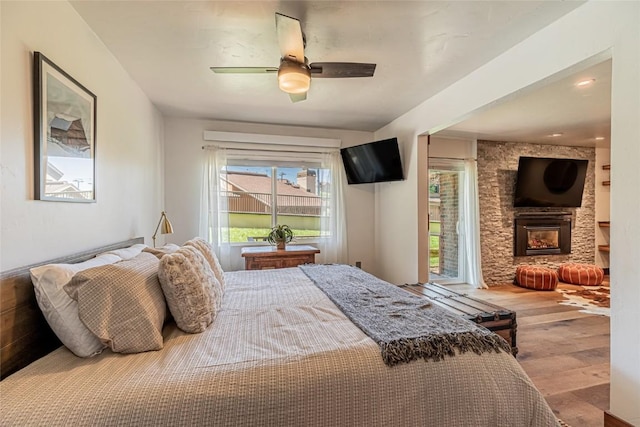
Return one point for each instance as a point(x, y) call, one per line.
point(497, 169)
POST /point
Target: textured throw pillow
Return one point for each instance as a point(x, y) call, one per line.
point(122, 303)
point(60, 311)
point(207, 250)
point(160, 252)
point(193, 293)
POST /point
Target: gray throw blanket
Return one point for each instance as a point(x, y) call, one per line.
point(405, 326)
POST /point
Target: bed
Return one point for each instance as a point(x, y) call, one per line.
point(279, 352)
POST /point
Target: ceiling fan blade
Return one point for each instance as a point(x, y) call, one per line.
point(243, 70)
point(297, 97)
point(290, 38)
point(341, 69)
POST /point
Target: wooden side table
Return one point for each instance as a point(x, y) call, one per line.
point(267, 257)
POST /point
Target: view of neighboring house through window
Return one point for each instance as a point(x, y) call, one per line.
point(261, 196)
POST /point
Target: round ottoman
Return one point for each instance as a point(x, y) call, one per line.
point(581, 274)
point(536, 277)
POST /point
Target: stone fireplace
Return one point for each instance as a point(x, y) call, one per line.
point(497, 170)
point(542, 233)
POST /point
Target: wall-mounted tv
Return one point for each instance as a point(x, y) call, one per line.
point(548, 182)
point(377, 161)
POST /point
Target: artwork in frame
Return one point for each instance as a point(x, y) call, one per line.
point(65, 135)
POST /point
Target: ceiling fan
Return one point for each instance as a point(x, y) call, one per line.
point(295, 72)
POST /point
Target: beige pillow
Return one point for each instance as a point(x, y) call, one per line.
point(193, 293)
point(160, 252)
point(122, 303)
point(61, 311)
point(207, 250)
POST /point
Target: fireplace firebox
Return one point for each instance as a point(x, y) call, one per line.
point(542, 234)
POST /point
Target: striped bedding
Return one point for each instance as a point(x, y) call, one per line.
point(279, 353)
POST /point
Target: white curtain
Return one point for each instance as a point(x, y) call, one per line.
point(333, 221)
point(472, 271)
point(214, 212)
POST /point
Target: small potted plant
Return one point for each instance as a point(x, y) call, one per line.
point(280, 235)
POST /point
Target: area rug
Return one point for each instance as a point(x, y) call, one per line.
point(592, 299)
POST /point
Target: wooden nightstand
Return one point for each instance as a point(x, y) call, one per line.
point(267, 257)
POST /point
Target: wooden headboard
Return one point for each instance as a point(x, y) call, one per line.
point(25, 335)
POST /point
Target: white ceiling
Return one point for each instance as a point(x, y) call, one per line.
point(421, 47)
point(560, 113)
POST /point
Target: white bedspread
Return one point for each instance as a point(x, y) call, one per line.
point(278, 354)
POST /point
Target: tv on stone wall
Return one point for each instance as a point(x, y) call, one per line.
point(549, 182)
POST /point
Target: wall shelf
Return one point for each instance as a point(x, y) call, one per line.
point(604, 224)
point(606, 168)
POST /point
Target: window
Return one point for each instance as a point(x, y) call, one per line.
point(246, 191)
point(260, 195)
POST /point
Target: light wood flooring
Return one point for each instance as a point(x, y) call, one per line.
point(564, 351)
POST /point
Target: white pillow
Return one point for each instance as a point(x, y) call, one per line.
point(127, 253)
point(60, 311)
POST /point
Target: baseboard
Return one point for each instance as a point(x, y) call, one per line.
point(611, 420)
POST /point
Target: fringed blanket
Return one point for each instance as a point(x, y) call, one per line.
point(405, 326)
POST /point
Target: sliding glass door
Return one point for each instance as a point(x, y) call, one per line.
point(446, 213)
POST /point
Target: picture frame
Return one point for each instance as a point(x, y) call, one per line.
point(64, 135)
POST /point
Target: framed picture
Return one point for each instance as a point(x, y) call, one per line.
point(65, 135)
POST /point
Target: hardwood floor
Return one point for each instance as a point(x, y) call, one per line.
point(564, 351)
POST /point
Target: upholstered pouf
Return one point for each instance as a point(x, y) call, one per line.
point(581, 274)
point(536, 277)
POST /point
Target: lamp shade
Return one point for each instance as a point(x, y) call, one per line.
point(164, 226)
point(294, 77)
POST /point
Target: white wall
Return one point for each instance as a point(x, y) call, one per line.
point(588, 31)
point(183, 177)
point(452, 147)
point(128, 143)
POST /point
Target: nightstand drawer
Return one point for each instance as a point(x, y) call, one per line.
point(263, 258)
point(263, 263)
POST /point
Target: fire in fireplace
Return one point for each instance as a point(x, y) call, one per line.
point(542, 237)
point(542, 234)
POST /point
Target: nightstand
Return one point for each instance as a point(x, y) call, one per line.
point(268, 257)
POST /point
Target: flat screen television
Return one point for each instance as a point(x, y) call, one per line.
point(377, 161)
point(549, 182)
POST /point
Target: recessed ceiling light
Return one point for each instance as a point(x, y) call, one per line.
point(554, 135)
point(599, 138)
point(586, 82)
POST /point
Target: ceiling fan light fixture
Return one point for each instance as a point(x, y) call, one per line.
point(293, 77)
point(294, 72)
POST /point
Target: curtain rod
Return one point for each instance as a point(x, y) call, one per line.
point(289, 149)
